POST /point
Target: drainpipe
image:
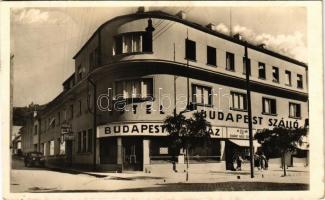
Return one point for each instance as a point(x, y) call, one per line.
point(94, 123)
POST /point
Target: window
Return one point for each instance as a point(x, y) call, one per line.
point(230, 61)
point(201, 95)
point(249, 65)
point(93, 59)
point(128, 43)
point(80, 107)
point(239, 101)
point(275, 74)
point(269, 106)
point(84, 141)
point(261, 70)
point(134, 88)
point(299, 81)
point(59, 118)
point(81, 71)
point(35, 129)
point(79, 141)
point(294, 110)
point(71, 111)
point(288, 78)
point(65, 115)
point(90, 140)
point(211, 56)
point(62, 146)
point(190, 50)
point(51, 143)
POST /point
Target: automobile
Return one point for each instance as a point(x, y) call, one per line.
point(34, 159)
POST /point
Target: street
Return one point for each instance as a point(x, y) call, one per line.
point(34, 179)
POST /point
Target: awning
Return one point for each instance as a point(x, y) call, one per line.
point(244, 143)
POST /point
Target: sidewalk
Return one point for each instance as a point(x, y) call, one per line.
point(273, 174)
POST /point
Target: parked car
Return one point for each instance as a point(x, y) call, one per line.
point(34, 159)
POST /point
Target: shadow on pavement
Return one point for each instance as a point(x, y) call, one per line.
point(221, 186)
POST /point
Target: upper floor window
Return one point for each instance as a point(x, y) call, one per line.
point(211, 56)
point(294, 110)
point(275, 74)
point(190, 49)
point(269, 106)
point(142, 88)
point(299, 81)
point(35, 129)
point(238, 101)
point(128, 43)
point(201, 95)
point(80, 107)
point(288, 78)
point(71, 111)
point(81, 71)
point(249, 65)
point(230, 61)
point(94, 58)
point(261, 70)
point(59, 117)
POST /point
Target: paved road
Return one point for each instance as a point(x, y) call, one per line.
point(44, 180)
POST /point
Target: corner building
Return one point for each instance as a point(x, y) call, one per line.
point(143, 65)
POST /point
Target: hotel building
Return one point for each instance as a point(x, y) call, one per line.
point(137, 68)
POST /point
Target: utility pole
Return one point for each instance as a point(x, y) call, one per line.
point(249, 110)
point(94, 124)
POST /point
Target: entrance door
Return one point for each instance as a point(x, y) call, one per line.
point(69, 152)
point(132, 154)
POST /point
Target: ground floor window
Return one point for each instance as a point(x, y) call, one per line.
point(62, 147)
point(51, 145)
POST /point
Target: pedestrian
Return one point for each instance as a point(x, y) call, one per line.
point(257, 161)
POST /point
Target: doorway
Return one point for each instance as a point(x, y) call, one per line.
point(132, 154)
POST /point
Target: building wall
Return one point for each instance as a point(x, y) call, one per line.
point(168, 46)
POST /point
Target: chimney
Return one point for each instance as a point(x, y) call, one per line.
point(238, 36)
point(142, 9)
point(261, 46)
point(181, 14)
point(211, 26)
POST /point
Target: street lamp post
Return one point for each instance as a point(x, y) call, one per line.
point(249, 110)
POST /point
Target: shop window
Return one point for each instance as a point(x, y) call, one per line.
point(299, 81)
point(249, 65)
point(211, 56)
point(294, 110)
point(230, 61)
point(261, 70)
point(275, 74)
point(201, 95)
point(134, 88)
point(90, 140)
point(190, 49)
point(288, 78)
point(269, 106)
point(239, 101)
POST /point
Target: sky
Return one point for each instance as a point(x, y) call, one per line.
point(44, 40)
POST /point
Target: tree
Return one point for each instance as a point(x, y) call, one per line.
point(282, 140)
point(187, 133)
